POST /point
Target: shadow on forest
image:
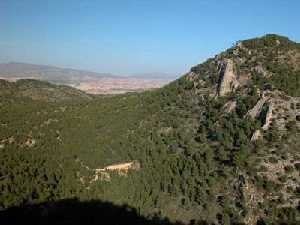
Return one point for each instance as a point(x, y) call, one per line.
point(72, 211)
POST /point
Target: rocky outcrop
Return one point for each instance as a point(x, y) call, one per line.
point(269, 116)
point(257, 135)
point(263, 108)
point(229, 106)
point(276, 106)
point(122, 167)
point(228, 81)
point(103, 174)
point(256, 110)
point(259, 69)
point(191, 76)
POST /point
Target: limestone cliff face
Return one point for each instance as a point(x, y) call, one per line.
point(229, 106)
point(228, 80)
point(269, 116)
point(257, 135)
point(278, 107)
point(256, 110)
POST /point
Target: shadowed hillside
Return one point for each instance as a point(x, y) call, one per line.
point(74, 212)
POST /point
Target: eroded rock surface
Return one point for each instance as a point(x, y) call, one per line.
point(228, 80)
point(257, 135)
point(229, 106)
point(256, 110)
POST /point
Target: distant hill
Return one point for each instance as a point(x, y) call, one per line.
point(96, 83)
point(156, 75)
point(48, 73)
point(41, 90)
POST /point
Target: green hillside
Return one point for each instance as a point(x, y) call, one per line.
point(192, 142)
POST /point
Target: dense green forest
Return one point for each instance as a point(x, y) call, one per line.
point(197, 161)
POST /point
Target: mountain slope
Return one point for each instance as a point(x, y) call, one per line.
point(217, 146)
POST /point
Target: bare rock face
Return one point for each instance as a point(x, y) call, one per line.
point(256, 110)
point(229, 106)
point(269, 116)
point(259, 69)
point(257, 135)
point(264, 104)
point(278, 107)
point(228, 80)
point(191, 76)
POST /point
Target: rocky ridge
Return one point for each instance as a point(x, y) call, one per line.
point(234, 73)
point(261, 73)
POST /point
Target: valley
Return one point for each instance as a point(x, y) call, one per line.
point(90, 82)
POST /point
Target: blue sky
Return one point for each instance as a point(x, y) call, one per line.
point(136, 36)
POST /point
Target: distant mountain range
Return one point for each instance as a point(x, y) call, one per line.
point(92, 82)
